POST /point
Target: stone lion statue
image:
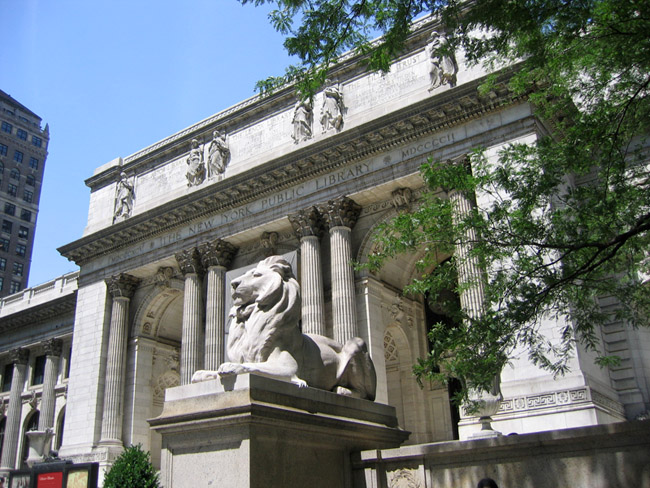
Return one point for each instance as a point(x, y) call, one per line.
point(265, 338)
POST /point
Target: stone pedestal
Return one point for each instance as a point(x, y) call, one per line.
point(250, 431)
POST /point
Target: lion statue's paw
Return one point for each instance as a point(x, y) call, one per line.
point(230, 368)
point(203, 375)
point(300, 382)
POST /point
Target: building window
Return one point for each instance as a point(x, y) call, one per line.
point(15, 174)
point(7, 127)
point(37, 141)
point(3, 264)
point(12, 189)
point(31, 181)
point(39, 370)
point(23, 232)
point(33, 163)
point(15, 287)
point(10, 209)
point(21, 250)
point(3, 150)
point(26, 215)
point(2, 282)
point(7, 376)
point(18, 156)
point(21, 134)
point(7, 226)
point(28, 196)
point(2, 167)
point(18, 269)
point(4, 244)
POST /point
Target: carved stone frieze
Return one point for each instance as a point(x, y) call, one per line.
point(426, 118)
point(402, 198)
point(122, 285)
point(124, 196)
point(217, 253)
point(302, 121)
point(331, 117)
point(19, 355)
point(53, 347)
point(163, 276)
point(189, 261)
point(442, 65)
point(195, 166)
point(218, 155)
point(341, 212)
point(307, 222)
point(269, 240)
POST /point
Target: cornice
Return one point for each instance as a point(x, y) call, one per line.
point(40, 313)
point(453, 107)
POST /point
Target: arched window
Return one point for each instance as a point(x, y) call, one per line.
point(32, 424)
point(15, 174)
point(59, 430)
point(31, 181)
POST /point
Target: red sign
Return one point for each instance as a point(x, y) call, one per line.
point(49, 480)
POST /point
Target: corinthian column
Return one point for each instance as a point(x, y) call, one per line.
point(189, 262)
point(471, 280)
point(12, 427)
point(470, 273)
point(121, 287)
point(216, 256)
point(308, 226)
point(341, 215)
point(52, 355)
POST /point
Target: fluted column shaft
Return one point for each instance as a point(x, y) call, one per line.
point(12, 426)
point(215, 327)
point(121, 288)
point(341, 215)
point(216, 256)
point(192, 335)
point(308, 226)
point(52, 356)
point(470, 273)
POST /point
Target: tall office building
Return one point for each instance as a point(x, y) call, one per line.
point(23, 150)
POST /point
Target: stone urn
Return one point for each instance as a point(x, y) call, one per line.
point(40, 443)
point(488, 404)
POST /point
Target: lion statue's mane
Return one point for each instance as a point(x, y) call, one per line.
point(265, 338)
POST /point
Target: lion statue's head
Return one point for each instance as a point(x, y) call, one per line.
point(266, 304)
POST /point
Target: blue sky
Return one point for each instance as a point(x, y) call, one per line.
point(113, 76)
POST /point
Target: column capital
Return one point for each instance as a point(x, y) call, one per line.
point(19, 355)
point(122, 285)
point(307, 222)
point(189, 261)
point(53, 347)
point(341, 212)
point(217, 253)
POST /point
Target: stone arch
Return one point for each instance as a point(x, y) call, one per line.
point(30, 423)
point(59, 425)
point(155, 307)
point(400, 384)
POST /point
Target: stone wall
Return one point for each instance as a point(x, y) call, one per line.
point(604, 456)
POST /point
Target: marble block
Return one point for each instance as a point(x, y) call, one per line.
point(250, 431)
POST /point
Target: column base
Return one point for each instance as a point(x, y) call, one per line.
point(252, 431)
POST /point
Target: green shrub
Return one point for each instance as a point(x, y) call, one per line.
point(132, 469)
